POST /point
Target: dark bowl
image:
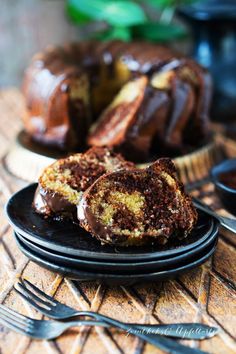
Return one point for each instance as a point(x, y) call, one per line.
point(226, 194)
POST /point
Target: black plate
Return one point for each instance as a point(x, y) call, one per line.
point(125, 279)
point(92, 265)
point(68, 238)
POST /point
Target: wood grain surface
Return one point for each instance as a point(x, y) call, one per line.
point(206, 294)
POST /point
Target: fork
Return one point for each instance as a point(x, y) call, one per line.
point(56, 310)
point(227, 223)
point(46, 329)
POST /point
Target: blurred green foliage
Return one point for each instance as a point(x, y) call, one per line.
point(128, 19)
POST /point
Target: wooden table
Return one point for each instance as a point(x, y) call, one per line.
point(206, 294)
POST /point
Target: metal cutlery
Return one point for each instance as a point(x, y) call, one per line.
point(47, 329)
point(227, 223)
point(38, 329)
point(56, 310)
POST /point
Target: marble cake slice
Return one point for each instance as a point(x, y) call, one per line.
point(61, 184)
point(133, 207)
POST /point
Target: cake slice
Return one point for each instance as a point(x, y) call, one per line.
point(132, 207)
point(113, 126)
point(61, 184)
point(138, 113)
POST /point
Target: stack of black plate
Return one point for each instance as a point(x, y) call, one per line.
point(64, 247)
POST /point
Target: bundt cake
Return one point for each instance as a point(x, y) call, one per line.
point(132, 207)
point(68, 87)
point(61, 184)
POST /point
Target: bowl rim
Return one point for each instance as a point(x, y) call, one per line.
point(218, 169)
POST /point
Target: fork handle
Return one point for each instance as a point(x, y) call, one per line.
point(192, 331)
point(227, 223)
point(166, 344)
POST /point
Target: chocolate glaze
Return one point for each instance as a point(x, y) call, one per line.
point(46, 201)
point(104, 234)
point(182, 106)
point(197, 128)
point(150, 122)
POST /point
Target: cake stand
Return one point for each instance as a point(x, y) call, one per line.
point(26, 160)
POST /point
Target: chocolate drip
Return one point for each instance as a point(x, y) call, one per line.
point(182, 105)
point(47, 202)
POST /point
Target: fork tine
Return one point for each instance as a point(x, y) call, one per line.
point(15, 315)
point(22, 328)
point(40, 292)
point(33, 303)
point(11, 326)
point(31, 294)
point(12, 320)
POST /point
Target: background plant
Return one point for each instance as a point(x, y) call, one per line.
point(127, 19)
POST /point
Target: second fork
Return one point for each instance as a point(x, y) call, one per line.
point(56, 310)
